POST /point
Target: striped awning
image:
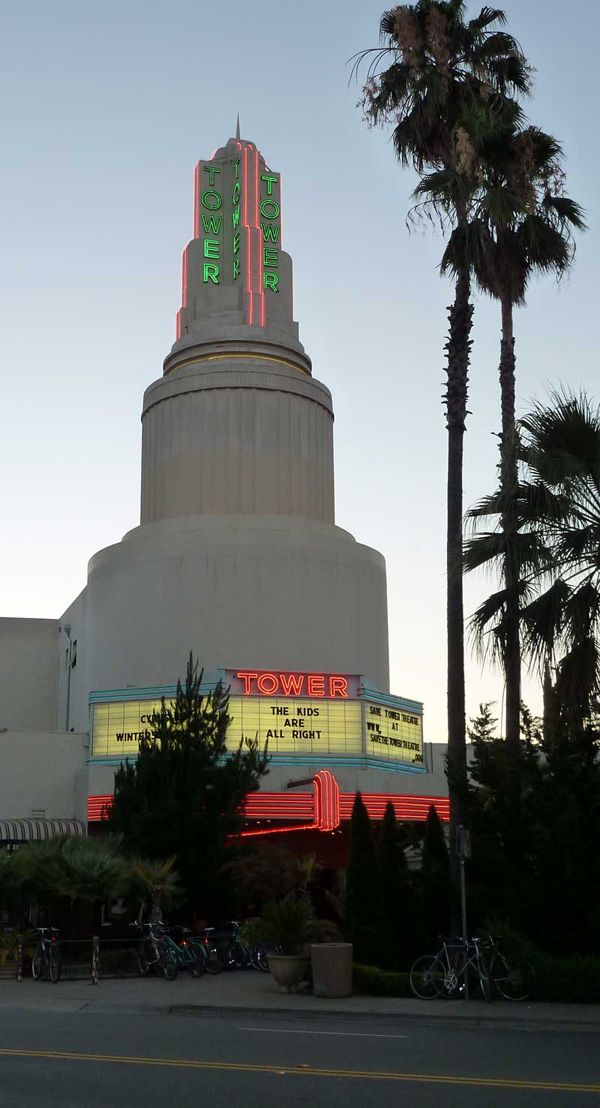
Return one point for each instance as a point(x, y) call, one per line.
point(14, 831)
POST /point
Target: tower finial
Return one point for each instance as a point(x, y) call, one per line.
point(237, 129)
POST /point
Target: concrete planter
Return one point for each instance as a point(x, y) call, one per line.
point(332, 969)
point(288, 969)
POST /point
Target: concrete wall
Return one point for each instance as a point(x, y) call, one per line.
point(237, 591)
point(28, 673)
point(251, 436)
point(43, 771)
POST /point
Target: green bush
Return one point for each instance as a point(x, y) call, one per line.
point(370, 981)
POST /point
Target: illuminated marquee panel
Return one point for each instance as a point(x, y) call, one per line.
point(392, 733)
point(289, 725)
point(299, 715)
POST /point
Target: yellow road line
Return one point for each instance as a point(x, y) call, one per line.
point(304, 1071)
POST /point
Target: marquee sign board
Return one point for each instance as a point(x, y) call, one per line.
point(302, 715)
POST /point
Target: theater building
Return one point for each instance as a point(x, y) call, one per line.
point(237, 557)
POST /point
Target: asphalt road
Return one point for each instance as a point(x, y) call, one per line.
point(109, 1059)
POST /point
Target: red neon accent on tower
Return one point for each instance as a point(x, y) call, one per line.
point(184, 272)
point(197, 201)
point(267, 679)
point(246, 677)
point(338, 686)
point(291, 683)
point(261, 291)
point(248, 242)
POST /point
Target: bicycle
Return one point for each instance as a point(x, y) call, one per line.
point(208, 948)
point(47, 958)
point(513, 980)
point(155, 953)
point(188, 953)
point(440, 974)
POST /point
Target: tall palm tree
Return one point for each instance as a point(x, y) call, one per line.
point(522, 225)
point(442, 70)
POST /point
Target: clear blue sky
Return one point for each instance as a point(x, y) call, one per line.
point(106, 107)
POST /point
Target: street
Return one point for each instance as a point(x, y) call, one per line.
point(106, 1058)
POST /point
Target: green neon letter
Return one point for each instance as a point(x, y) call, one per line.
point(235, 166)
point(264, 205)
point(211, 273)
point(235, 217)
point(271, 257)
point(211, 248)
point(269, 232)
point(271, 281)
point(236, 268)
point(269, 179)
point(215, 200)
point(211, 170)
point(236, 242)
point(212, 223)
point(236, 193)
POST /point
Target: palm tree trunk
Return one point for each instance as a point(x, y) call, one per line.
point(458, 350)
point(509, 522)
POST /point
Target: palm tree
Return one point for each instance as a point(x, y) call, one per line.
point(522, 225)
point(561, 449)
point(157, 882)
point(556, 548)
point(443, 71)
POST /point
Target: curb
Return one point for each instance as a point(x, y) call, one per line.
point(511, 1023)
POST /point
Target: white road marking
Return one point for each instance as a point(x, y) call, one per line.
point(295, 1031)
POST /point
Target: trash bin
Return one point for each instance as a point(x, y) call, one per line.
point(331, 969)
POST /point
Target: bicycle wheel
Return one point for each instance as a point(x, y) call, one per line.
point(198, 966)
point(170, 964)
point(54, 964)
point(427, 977)
point(259, 957)
point(37, 964)
point(485, 981)
point(513, 982)
point(213, 962)
point(148, 957)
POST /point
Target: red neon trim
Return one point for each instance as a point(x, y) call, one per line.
point(184, 273)
point(291, 684)
point(197, 201)
point(338, 686)
point(315, 684)
point(260, 684)
point(261, 291)
point(246, 677)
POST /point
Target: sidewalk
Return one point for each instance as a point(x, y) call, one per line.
point(251, 994)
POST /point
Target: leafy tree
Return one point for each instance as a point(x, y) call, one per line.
point(444, 73)
point(483, 726)
point(435, 878)
point(363, 888)
point(183, 795)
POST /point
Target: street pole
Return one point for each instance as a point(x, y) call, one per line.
point(463, 850)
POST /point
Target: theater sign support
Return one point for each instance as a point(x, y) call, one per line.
point(237, 557)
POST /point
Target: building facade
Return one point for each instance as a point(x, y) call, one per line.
point(237, 558)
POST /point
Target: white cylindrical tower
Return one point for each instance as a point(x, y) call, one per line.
point(237, 556)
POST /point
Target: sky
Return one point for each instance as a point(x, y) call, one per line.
point(106, 107)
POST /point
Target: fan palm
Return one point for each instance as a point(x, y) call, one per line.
point(556, 549)
point(522, 225)
point(561, 448)
point(442, 72)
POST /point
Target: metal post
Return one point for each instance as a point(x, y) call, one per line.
point(20, 958)
point(95, 959)
point(463, 910)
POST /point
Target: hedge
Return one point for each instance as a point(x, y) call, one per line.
point(370, 981)
point(561, 980)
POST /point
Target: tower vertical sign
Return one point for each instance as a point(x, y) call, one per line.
point(237, 236)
